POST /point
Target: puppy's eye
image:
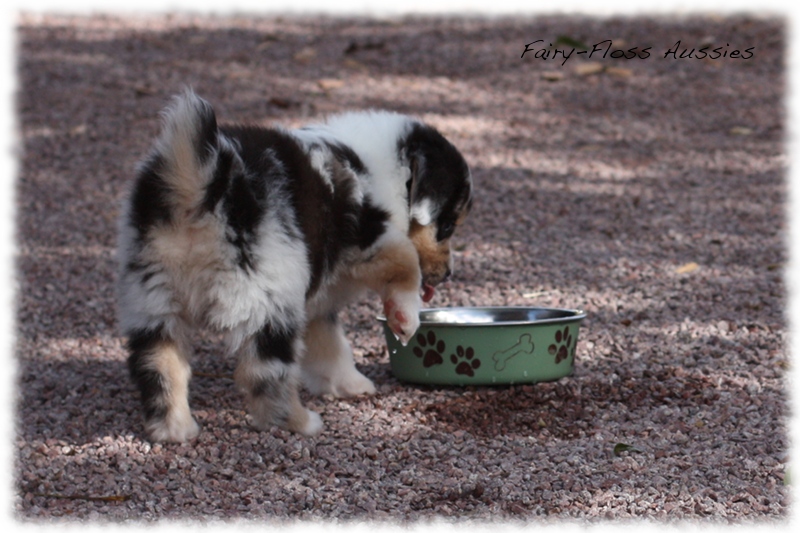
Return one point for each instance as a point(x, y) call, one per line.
point(445, 230)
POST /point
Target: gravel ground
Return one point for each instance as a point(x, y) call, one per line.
point(649, 192)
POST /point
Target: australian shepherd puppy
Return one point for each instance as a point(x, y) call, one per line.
point(264, 234)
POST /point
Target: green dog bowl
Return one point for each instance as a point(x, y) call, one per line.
point(487, 346)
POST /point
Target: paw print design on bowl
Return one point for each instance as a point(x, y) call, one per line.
point(465, 361)
point(430, 349)
point(563, 345)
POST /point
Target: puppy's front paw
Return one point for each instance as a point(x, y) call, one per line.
point(173, 429)
point(340, 385)
point(402, 315)
point(313, 426)
point(306, 422)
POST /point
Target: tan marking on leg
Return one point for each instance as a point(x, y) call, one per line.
point(395, 266)
point(394, 273)
point(328, 366)
point(172, 363)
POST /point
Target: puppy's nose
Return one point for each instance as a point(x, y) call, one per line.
point(447, 274)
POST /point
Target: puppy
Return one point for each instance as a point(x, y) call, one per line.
point(264, 234)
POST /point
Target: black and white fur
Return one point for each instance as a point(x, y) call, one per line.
point(264, 234)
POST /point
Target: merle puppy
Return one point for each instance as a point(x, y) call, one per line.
point(264, 234)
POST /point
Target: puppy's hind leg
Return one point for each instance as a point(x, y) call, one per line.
point(268, 375)
point(159, 365)
point(328, 366)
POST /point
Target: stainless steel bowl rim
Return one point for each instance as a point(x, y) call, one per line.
point(567, 316)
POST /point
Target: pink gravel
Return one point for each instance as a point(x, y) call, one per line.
point(649, 192)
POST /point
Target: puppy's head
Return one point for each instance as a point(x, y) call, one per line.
point(439, 198)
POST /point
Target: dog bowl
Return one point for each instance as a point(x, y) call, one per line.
point(487, 346)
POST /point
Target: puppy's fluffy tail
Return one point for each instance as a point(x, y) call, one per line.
point(189, 149)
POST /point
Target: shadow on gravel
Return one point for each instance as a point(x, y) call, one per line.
point(77, 402)
point(573, 408)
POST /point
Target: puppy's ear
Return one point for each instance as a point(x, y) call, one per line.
point(412, 181)
point(418, 207)
point(413, 178)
